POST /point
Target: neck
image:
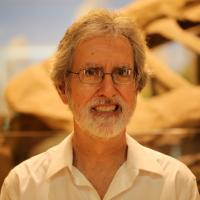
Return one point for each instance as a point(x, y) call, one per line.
point(97, 159)
point(89, 151)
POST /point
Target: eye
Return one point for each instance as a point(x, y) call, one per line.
point(123, 72)
point(92, 72)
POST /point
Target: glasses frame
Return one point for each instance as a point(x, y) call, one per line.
point(136, 73)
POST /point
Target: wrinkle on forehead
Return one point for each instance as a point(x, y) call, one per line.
point(108, 45)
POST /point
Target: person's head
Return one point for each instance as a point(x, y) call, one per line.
point(104, 41)
point(100, 23)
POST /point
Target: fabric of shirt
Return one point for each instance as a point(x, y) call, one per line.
point(146, 174)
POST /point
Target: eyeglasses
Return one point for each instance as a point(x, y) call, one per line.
point(95, 76)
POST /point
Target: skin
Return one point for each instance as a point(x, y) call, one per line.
point(105, 156)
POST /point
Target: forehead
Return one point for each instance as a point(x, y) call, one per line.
point(103, 51)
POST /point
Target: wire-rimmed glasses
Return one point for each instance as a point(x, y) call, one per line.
point(95, 76)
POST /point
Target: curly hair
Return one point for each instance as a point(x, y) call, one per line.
point(100, 22)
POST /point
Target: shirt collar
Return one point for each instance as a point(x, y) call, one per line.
point(62, 157)
point(139, 158)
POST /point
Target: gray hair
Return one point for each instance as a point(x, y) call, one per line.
point(100, 22)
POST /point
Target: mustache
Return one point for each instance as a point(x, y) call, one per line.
point(104, 100)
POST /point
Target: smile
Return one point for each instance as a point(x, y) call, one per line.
point(111, 108)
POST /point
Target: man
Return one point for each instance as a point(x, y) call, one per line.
point(98, 70)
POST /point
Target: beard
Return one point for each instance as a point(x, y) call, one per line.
point(100, 126)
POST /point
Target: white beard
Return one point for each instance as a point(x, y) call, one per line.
point(99, 126)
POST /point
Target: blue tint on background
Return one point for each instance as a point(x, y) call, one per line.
point(41, 22)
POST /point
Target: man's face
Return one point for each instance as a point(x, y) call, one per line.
point(103, 110)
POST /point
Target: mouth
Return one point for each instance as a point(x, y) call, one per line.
point(106, 108)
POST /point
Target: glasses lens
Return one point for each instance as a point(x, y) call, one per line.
point(124, 76)
point(91, 76)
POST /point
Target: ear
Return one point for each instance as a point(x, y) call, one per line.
point(62, 92)
point(137, 90)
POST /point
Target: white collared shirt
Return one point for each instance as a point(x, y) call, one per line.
point(146, 175)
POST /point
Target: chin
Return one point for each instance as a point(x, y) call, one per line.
point(103, 135)
point(103, 131)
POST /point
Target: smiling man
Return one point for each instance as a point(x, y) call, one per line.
point(98, 70)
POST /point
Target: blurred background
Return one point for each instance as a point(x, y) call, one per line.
point(32, 117)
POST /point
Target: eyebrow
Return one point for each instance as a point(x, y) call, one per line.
point(91, 65)
point(124, 66)
point(97, 66)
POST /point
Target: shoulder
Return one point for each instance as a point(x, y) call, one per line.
point(33, 168)
point(37, 164)
point(177, 175)
point(27, 176)
point(30, 178)
point(169, 165)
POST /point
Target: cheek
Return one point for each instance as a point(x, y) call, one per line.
point(127, 93)
point(82, 95)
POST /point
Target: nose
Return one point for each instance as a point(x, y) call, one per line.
point(107, 87)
